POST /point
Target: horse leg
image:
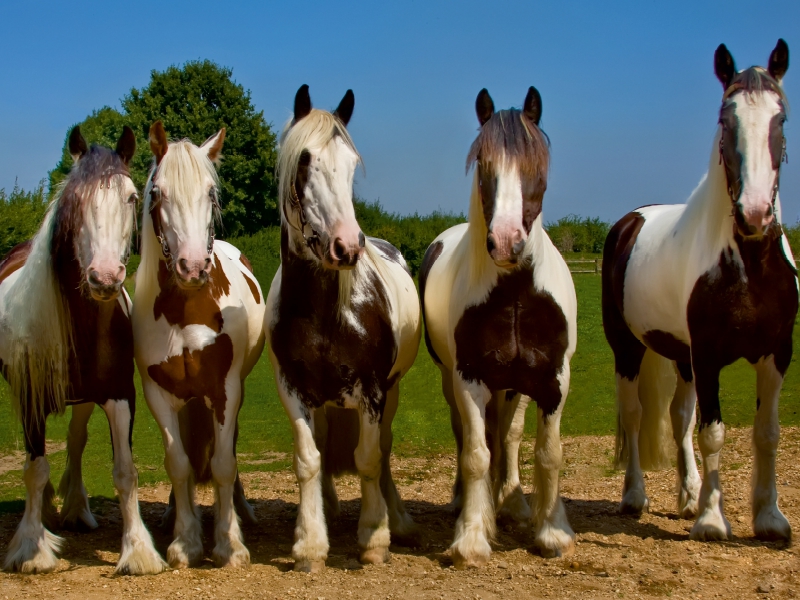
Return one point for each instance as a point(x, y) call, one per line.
point(329, 496)
point(476, 523)
point(75, 513)
point(683, 415)
point(458, 433)
point(373, 524)
point(243, 507)
point(138, 555)
point(33, 548)
point(187, 546)
point(509, 497)
point(554, 536)
point(229, 549)
point(711, 523)
point(404, 531)
point(634, 498)
point(768, 521)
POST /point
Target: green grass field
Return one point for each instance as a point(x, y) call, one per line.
point(422, 422)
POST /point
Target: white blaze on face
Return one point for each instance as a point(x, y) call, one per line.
point(755, 113)
point(104, 239)
point(328, 193)
point(506, 228)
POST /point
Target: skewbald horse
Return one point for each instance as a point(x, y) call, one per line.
point(198, 330)
point(701, 285)
point(344, 326)
point(66, 339)
point(500, 317)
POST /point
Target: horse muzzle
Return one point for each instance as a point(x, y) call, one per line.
point(105, 285)
point(505, 248)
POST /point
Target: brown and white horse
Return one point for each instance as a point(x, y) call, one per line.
point(500, 323)
point(701, 285)
point(344, 323)
point(66, 339)
point(198, 330)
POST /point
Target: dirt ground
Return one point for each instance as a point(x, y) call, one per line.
point(615, 556)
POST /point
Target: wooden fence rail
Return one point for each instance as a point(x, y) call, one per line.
point(596, 265)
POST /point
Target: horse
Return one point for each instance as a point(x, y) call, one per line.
point(344, 326)
point(198, 332)
point(500, 323)
point(66, 340)
point(694, 287)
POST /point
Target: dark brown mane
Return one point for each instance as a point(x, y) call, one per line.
point(753, 80)
point(510, 135)
point(98, 166)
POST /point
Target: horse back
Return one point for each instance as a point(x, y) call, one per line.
point(15, 260)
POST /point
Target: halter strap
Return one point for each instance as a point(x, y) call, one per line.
point(294, 201)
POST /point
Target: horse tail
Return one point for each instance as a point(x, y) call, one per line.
point(197, 434)
point(656, 389)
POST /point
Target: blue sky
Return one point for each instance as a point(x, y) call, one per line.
point(629, 94)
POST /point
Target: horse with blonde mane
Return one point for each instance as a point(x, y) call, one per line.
point(198, 331)
point(66, 340)
point(344, 325)
point(691, 288)
point(500, 323)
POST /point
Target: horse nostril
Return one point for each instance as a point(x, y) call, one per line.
point(207, 264)
point(183, 265)
point(94, 278)
point(339, 249)
point(769, 210)
point(490, 245)
point(361, 239)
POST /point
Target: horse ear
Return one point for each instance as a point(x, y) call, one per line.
point(533, 105)
point(724, 67)
point(213, 146)
point(126, 146)
point(345, 109)
point(158, 140)
point(779, 60)
point(484, 106)
point(302, 103)
point(77, 145)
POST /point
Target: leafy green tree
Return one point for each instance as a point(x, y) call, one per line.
point(194, 101)
point(21, 213)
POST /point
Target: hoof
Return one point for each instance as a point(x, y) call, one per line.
point(689, 511)
point(634, 503)
point(408, 539)
point(374, 556)
point(181, 555)
point(474, 561)
point(31, 555)
point(309, 566)
point(772, 526)
point(81, 523)
point(234, 556)
point(710, 528)
point(140, 561)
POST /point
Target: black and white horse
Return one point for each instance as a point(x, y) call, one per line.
point(344, 325)
point(703, 284)
point(500, 315)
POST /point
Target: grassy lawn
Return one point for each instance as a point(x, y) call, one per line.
point(422, 423)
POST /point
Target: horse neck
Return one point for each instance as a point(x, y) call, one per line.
point(82, 312)
point(295, 265)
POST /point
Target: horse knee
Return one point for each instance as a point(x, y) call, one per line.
point(475, 463)
point(307, 465)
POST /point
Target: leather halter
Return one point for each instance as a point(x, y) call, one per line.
point(732, 89)
point(294, 201)
point(155, 218)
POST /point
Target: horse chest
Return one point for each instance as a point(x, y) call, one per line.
point(516, 339)
point(744, 308)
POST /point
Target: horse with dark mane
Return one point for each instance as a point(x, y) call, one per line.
point(66, 340)
point(500, 323)
point(343, 317)
point(698, 286)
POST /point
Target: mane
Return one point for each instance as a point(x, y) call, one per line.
point(316, 130)
point(508, 137)
point(182, 169)
point(37, 326)
point(755, 80)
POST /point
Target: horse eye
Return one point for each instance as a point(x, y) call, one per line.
point(134, 198)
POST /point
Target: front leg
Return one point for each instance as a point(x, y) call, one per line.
point(310, 550)
point(138, 555)
point(75, 513)
point(475, 526)
point(769, 523)
point(509, 497)
point(711, 523)
point(373, 524)
point(682, 412)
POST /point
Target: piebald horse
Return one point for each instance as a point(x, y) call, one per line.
point(500, 323)
point(66, 339)
point(198, 328)
point(701, 285)
point(344, 325)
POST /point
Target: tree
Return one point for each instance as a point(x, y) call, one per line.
point(194, 101)
point(21, 213)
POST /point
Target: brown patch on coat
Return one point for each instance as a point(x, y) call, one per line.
point(197, 435)
point(253, 288)
point(245, 261)
point(628, 350)
point(15, 259)
point(191, 307)
point(198, 374)
point(433, 252)
point(516, 339)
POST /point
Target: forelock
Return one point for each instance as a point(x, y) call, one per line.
point(510, 137)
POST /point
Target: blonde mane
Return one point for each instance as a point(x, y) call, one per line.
point(317, 130)
point(181, 170)
point(37, 330)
